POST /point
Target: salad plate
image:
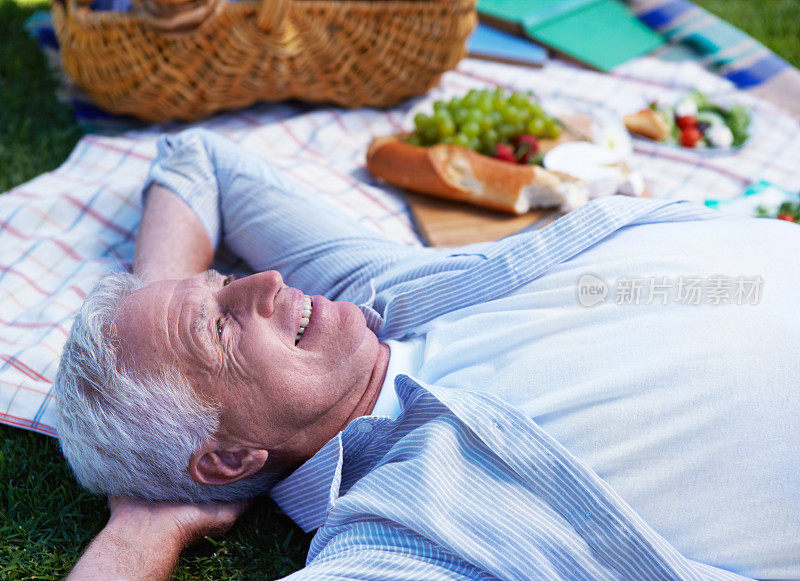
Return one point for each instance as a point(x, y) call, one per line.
point(695, 123)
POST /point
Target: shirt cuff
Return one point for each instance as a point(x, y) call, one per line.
point(184, 166)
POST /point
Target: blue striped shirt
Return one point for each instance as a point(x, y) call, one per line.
point(461, 485)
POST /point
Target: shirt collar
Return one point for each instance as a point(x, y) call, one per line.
point(309, 493)
point(406, 359)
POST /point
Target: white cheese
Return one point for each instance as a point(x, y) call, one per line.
point(719, 136)
point(686, 107)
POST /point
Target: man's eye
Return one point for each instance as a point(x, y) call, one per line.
point(219, 328)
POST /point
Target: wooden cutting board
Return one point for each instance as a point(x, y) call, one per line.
point(446, 223)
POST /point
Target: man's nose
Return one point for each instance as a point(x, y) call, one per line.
point(254, 293)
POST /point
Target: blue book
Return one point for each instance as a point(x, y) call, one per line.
point(491, 43)
point(599, 33)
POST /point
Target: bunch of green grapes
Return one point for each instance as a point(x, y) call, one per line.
point(483, 118)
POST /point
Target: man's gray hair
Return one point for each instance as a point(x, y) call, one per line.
point(129, 432)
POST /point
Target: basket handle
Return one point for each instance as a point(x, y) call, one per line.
point(176, 15)
point(272, 14)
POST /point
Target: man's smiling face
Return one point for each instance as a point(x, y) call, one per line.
point(234, 343)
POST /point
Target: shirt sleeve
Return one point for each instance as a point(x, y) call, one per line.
point(372, 562)
point(268, 219)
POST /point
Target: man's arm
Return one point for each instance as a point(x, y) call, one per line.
point(268, 219)
point(171, 241)
point(143, 540)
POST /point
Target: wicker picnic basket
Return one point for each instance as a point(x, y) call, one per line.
point(186, 59)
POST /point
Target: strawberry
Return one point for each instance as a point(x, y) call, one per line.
point(526, 146)
point(786, 216)
point(690, 136)
point(505, 153)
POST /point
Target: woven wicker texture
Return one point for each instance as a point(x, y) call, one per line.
point(177, 59)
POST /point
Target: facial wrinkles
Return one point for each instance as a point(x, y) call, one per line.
point(208, 338)
point(179, 329)
point(232, 364)
point(203, 328)
point(191, 328)
point(222, 346)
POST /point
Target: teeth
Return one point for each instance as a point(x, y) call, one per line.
point(306, 316)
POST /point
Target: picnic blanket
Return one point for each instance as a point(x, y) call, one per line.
point(61, 231)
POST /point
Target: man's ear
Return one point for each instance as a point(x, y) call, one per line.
point(221, 463)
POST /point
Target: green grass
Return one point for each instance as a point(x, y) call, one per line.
point(45, 519)
point(774, 23)
point(36, 131)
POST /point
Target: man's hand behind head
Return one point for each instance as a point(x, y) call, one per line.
point(185, 523)
point(143, 540)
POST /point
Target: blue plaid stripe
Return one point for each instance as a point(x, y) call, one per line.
point(727, 50)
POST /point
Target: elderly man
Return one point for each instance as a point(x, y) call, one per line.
point(491, 411)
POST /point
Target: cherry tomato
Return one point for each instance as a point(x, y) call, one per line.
point(786, 216)
point(686, 121)
point(690, 136)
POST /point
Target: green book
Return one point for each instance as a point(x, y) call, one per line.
point(599, 33)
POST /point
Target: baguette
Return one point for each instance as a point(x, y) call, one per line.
point(457, 173)
point(647, 123)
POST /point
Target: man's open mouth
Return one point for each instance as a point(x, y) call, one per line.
point(305, 317)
